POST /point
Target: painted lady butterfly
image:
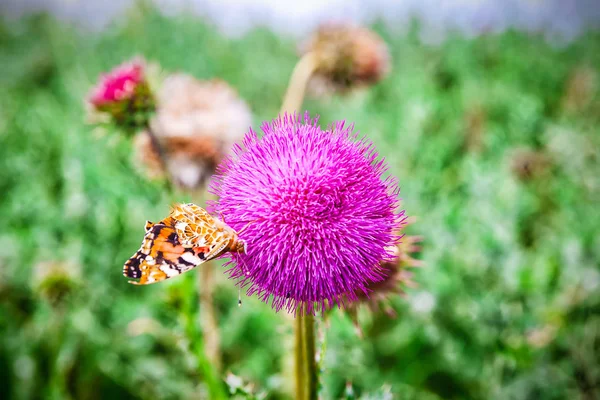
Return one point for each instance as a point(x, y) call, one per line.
point(188, 237)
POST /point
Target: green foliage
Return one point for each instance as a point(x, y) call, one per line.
point(507, 307)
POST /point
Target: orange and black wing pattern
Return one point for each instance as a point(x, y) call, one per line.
point(162, 256)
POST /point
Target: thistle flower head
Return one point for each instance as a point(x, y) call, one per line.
point(319, 213)
point(119, 84)
point(196, 123)
point(347, 56)
point(124, 94)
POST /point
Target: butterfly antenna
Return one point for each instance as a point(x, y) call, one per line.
point(245, 227)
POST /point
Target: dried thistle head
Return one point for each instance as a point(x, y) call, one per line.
point(196, 124)
point(396, 277)
point(527, 164)
point(347, 56)
point(191, 107)
point(188, 161)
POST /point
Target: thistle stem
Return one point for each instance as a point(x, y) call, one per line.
point(205, 367)
point(208, 316)
point(306, 365)
point(155, 143)
point(162, 156)
point(293, 100)
point(210, 328)
point(300, 361)
point(294, 96)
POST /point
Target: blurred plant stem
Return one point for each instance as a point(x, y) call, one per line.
point(159, 157)
point(55, 342)
point(320, 356)
point(306, 365)
point(155, 143)
point(162, 156)
point(205, 366)
point(208, 316)
point(294, 96)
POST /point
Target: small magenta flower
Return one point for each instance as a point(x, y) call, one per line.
point(320, 214)
point(124, 94)
point(119, 84)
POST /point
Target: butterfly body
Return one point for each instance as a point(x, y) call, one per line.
point(188, 237)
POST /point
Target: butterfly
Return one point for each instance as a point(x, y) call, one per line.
point(186, 238)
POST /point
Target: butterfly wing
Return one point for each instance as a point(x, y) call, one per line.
point(162, 256)
point(197, 228)
point(217, 247)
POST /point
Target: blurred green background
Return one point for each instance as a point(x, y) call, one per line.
point(495, 141)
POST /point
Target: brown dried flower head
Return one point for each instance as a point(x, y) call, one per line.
point(196, 124)
point(347, 56)
point(397, 278)
point(188, 161)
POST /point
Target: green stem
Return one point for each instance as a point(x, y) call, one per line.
point(208, 314)
point(205, 368)
point(162, 155)
point(156, 146)
point(310, 352)
point(306, 365)
point(209, 326)
point(294, 96)
point(300, 361)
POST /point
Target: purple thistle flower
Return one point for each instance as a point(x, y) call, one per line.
point(321, 215)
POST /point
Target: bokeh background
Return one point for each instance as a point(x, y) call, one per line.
point(490, 119)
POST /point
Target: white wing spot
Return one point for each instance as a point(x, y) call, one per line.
point(189, 257)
